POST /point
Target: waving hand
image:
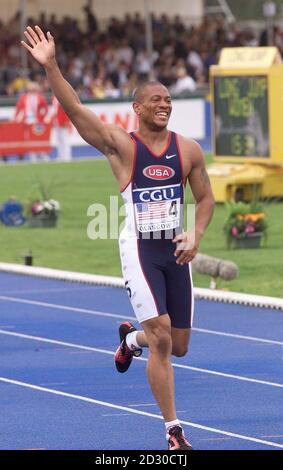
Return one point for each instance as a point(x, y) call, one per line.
point(41, 47)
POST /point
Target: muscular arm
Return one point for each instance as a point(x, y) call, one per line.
point(201, 189)
point(187, 243)
point(88, 125)
point(92, 130)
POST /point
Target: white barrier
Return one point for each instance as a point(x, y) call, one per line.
point(200, 293)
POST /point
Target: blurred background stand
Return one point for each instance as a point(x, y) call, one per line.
point(269, 13)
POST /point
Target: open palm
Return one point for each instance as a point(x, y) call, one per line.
point(41, 47)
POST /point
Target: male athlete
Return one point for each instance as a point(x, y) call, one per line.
point(151, 166)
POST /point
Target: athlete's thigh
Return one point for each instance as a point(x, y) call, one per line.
point(145, 281)
point(179, 295)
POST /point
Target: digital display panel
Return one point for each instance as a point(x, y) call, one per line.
point(241, 127)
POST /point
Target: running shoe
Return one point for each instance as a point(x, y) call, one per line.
point(124, 355)
point(176, 439)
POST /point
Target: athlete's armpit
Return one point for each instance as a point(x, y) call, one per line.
point(110, 151)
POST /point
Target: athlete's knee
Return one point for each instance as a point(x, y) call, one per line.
point(160, 340)
point(179, 350)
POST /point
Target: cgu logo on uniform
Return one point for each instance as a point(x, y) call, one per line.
point(161, 193)
point(158, 172)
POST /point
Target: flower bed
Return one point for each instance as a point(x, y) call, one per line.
point(44, 213)
point(245, 225)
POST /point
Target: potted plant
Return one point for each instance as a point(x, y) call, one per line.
point(245, 224)
point(42, 210)
point(44, 213)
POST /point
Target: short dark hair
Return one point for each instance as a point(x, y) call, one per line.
point(139, 90)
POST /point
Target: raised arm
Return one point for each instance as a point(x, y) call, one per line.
point(89, 126)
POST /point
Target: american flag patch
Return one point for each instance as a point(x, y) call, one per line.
point(151, 210)
point(157, 208)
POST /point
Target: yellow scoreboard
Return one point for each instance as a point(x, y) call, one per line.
point(247, 106)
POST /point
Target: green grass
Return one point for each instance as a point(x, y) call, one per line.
point(77, 185)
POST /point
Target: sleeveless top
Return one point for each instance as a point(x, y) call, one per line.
point(155, 194)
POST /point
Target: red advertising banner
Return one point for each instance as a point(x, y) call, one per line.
point(19, 138)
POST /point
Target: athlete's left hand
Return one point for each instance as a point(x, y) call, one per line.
point(186, 247)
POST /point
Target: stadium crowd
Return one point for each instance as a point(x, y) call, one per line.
point(108, 61)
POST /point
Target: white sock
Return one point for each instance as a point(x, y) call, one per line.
point(171, 424)
point(131, 341)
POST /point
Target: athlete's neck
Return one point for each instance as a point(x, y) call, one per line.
point(152, 137)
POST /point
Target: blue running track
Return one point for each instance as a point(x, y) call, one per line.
point(59, 388)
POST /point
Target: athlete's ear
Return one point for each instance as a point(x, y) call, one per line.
point(137, 107)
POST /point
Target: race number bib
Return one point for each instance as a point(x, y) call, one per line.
point(157, 208)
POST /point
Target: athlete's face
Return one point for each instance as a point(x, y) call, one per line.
point(155, 106)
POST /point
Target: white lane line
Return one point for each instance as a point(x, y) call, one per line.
point(217, 439)
point(106, 351)
point(141, 405)
point(233, 335)
point(53, 383)
point(134, 411)
point(55, 290)
point(127, 317)
point(36, 448)
point(67, 308)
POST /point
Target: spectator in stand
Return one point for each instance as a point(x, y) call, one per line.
point(90, 19)
point(184, 84)
point(62, 127)
point(194, 60)
point(18, 85)
point(111, 59)
point(123, 41)
point(125, 52)
point(110, 90)
point(143, 63)
point(178, 26)
point(123, 74)
point(98, 89)
point(32, 108)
